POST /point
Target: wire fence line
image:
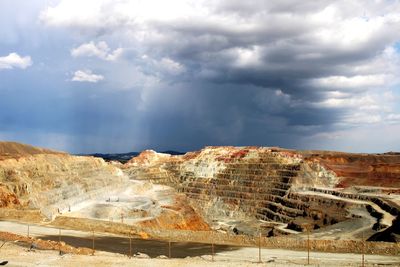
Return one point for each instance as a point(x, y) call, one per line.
point(206, 244)
point(206, 237)
point(209, 237)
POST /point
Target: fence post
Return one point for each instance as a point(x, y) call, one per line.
point(308, 245)
point(31, 243)
point(212, 251)
point(259, 247)
point(59, 241)
point(130, 245)
point(92, 242)
point(213, 196)
point(362, 249)
point(212, 245)
point(169, 249)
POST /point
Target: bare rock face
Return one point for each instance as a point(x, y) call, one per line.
point(325, 189)
point(147, 157)
point(50, 181)
point(76, 187)
point(8, 199)
point(379, 170)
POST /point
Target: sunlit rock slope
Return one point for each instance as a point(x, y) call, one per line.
point(244, 189)
point(57, 184)
point(36, 178)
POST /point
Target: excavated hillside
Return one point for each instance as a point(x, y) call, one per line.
point(35, 178)
point(278, 191)
point(40, 185)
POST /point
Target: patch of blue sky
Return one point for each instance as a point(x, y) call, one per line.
point(397, 46)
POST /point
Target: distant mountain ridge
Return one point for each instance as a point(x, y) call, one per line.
point(125, 157)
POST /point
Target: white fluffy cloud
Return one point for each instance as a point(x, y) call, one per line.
point(106, 14)
point(86, 76)
point(341, 82)
point(100, 50)
point(13, 60)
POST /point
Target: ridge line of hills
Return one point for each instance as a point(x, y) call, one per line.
point(16, 150)
point(10, 149)
point(125, 157)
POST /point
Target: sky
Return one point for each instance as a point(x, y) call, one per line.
point(127, 75)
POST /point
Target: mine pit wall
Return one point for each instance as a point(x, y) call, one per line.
point(272, 184)
point(54, 182)
point(260, 184)
point(241, 186)
point(65, 202)
point(252, 183)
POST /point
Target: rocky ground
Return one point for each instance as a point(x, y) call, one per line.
point(19, 255)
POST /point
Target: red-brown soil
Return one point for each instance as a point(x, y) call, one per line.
point(7, 199)
point(179, 216)
point(381, 170)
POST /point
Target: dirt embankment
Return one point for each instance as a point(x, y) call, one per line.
point(37, 243)
point(179, 216)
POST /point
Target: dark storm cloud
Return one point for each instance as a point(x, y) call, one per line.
point(228, 114)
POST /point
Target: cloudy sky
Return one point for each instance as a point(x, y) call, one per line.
point(117, 76)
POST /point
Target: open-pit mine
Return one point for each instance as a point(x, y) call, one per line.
point(228, 196)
